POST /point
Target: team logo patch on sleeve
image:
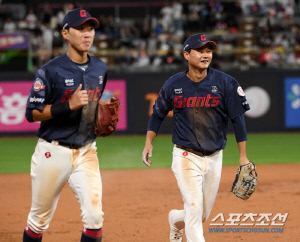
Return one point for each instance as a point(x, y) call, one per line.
point(38, 85)
point(240, 91)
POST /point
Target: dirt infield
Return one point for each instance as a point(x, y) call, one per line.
point(136, 205)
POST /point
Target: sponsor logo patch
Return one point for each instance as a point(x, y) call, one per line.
point(178, 91)
point(38, 85)
point(69, 82)
point(185, 153)
point(240, 91)
point(36, 100)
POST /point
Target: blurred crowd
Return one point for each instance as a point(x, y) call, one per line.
point(156, 40)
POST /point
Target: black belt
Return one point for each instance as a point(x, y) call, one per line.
point(71, 146)
point(200, 153)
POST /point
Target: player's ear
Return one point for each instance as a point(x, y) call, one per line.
point(186, 55)
point(65, 34)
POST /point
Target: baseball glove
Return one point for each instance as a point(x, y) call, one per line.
point(107, 117)
point(245, 183)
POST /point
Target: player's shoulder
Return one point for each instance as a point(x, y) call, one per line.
point(222, 78)
point(51, 66)
point(173, 80)
point(220, 74)
point(57, 61)
point(95, 60)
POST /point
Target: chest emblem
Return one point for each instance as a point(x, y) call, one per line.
point(69, 82)
point(100, 80)
point(178, 90)
point(214, 89)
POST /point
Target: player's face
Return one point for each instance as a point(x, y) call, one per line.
point(199, 58)
point(80, 38)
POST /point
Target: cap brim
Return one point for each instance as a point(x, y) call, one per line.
point(211, 43)
point(93, 20)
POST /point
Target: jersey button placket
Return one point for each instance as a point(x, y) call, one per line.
point(196, 112)
point(196, 109)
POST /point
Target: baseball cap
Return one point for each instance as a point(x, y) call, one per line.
point(77, 17)
point(197, 41)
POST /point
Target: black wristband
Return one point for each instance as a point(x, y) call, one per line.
point(59, 109)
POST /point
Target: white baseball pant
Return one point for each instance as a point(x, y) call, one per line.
point(198, 179)
point(52, 166)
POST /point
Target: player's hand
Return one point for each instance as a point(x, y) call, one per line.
point(244, 161)
point(79, 98)
point(147, 152)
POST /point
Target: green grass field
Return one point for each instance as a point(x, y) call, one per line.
point(125, 152)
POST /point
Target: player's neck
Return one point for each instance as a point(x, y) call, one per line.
point(77, 57)
point(198, 75)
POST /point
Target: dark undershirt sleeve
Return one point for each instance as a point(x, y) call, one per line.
point(239, 128)
point(28, 115)
point(154, 123)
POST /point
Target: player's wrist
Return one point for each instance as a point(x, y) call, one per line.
point(243, 161)
point(59, 109)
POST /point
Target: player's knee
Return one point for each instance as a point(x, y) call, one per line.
point(193, 210)
point(93, 219)
point(193, 206)
point(38, 226)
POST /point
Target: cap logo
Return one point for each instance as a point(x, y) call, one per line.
point(83, 13)
point(65, 26)
point(203, 37)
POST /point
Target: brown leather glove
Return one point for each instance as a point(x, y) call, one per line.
point(107, 117)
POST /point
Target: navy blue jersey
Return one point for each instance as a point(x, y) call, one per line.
point(201, 109)
point(55, 83)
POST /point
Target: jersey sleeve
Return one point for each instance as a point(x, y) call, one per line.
point(236, 101)
point(39, 92)
point(161, 108)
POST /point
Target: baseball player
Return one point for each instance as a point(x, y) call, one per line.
point(64, 98)
point(203, 99)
